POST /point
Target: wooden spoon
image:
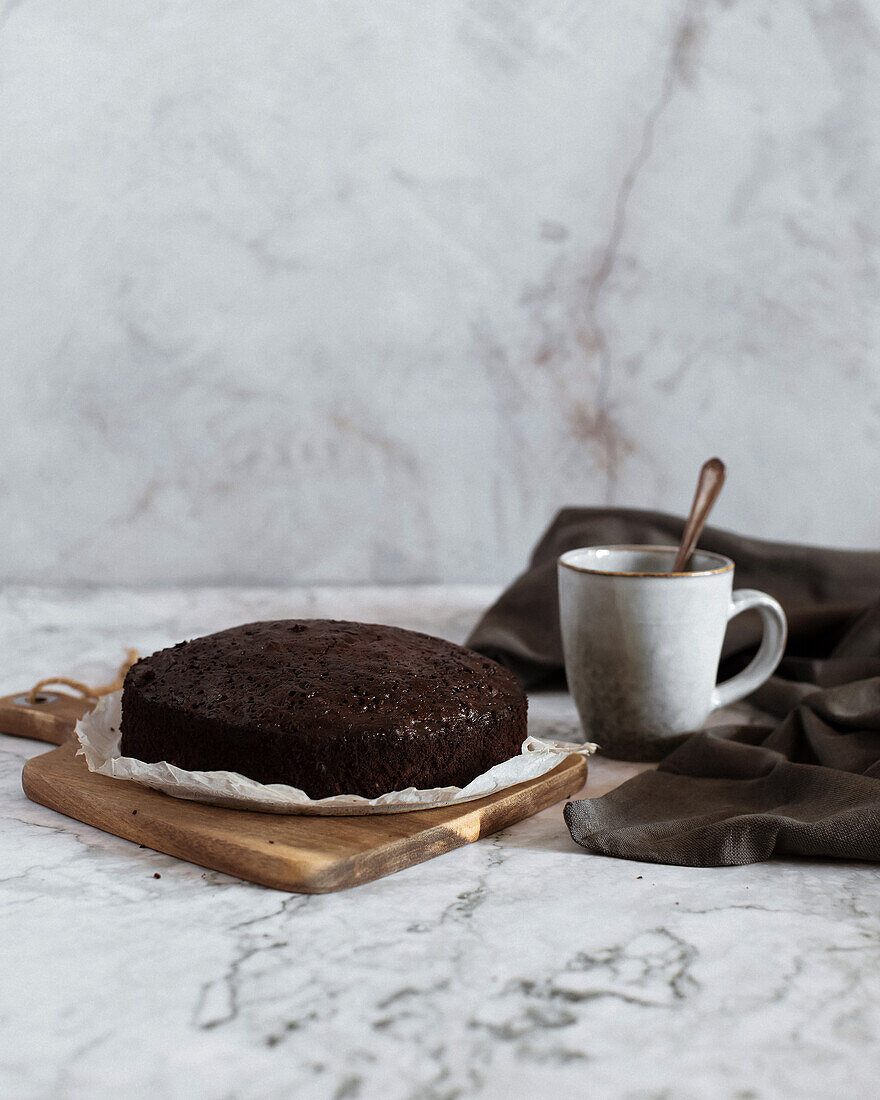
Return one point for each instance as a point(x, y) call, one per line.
point(708, 487)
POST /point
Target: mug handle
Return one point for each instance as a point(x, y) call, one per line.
point(763, 664)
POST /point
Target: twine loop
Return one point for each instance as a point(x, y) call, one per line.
point(87, 692)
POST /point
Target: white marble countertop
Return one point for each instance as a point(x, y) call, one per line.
point(518, 966)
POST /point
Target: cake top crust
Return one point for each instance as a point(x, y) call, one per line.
point(310, 675)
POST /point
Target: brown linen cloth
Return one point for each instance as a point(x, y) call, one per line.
point(735, 794)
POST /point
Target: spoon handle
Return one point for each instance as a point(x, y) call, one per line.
point(708, 487)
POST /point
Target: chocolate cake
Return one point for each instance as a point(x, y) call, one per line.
point(329, 707)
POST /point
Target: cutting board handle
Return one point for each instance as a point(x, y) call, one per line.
point(52, 718)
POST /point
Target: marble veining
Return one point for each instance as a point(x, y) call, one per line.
point(364, 293)
point(517, 966)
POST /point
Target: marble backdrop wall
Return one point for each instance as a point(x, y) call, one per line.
point(325, 291)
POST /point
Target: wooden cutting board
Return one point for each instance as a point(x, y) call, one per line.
point(51, 718)
point(309, 855)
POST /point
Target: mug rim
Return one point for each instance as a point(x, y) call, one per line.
point(726, 567)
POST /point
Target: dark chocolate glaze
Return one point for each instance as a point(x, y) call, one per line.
point(330, 707)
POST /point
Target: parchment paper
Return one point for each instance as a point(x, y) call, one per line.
point(99, 737)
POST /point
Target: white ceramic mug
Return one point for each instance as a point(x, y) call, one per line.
point(642, 644)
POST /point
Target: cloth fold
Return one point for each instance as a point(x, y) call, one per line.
point(809, 785)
